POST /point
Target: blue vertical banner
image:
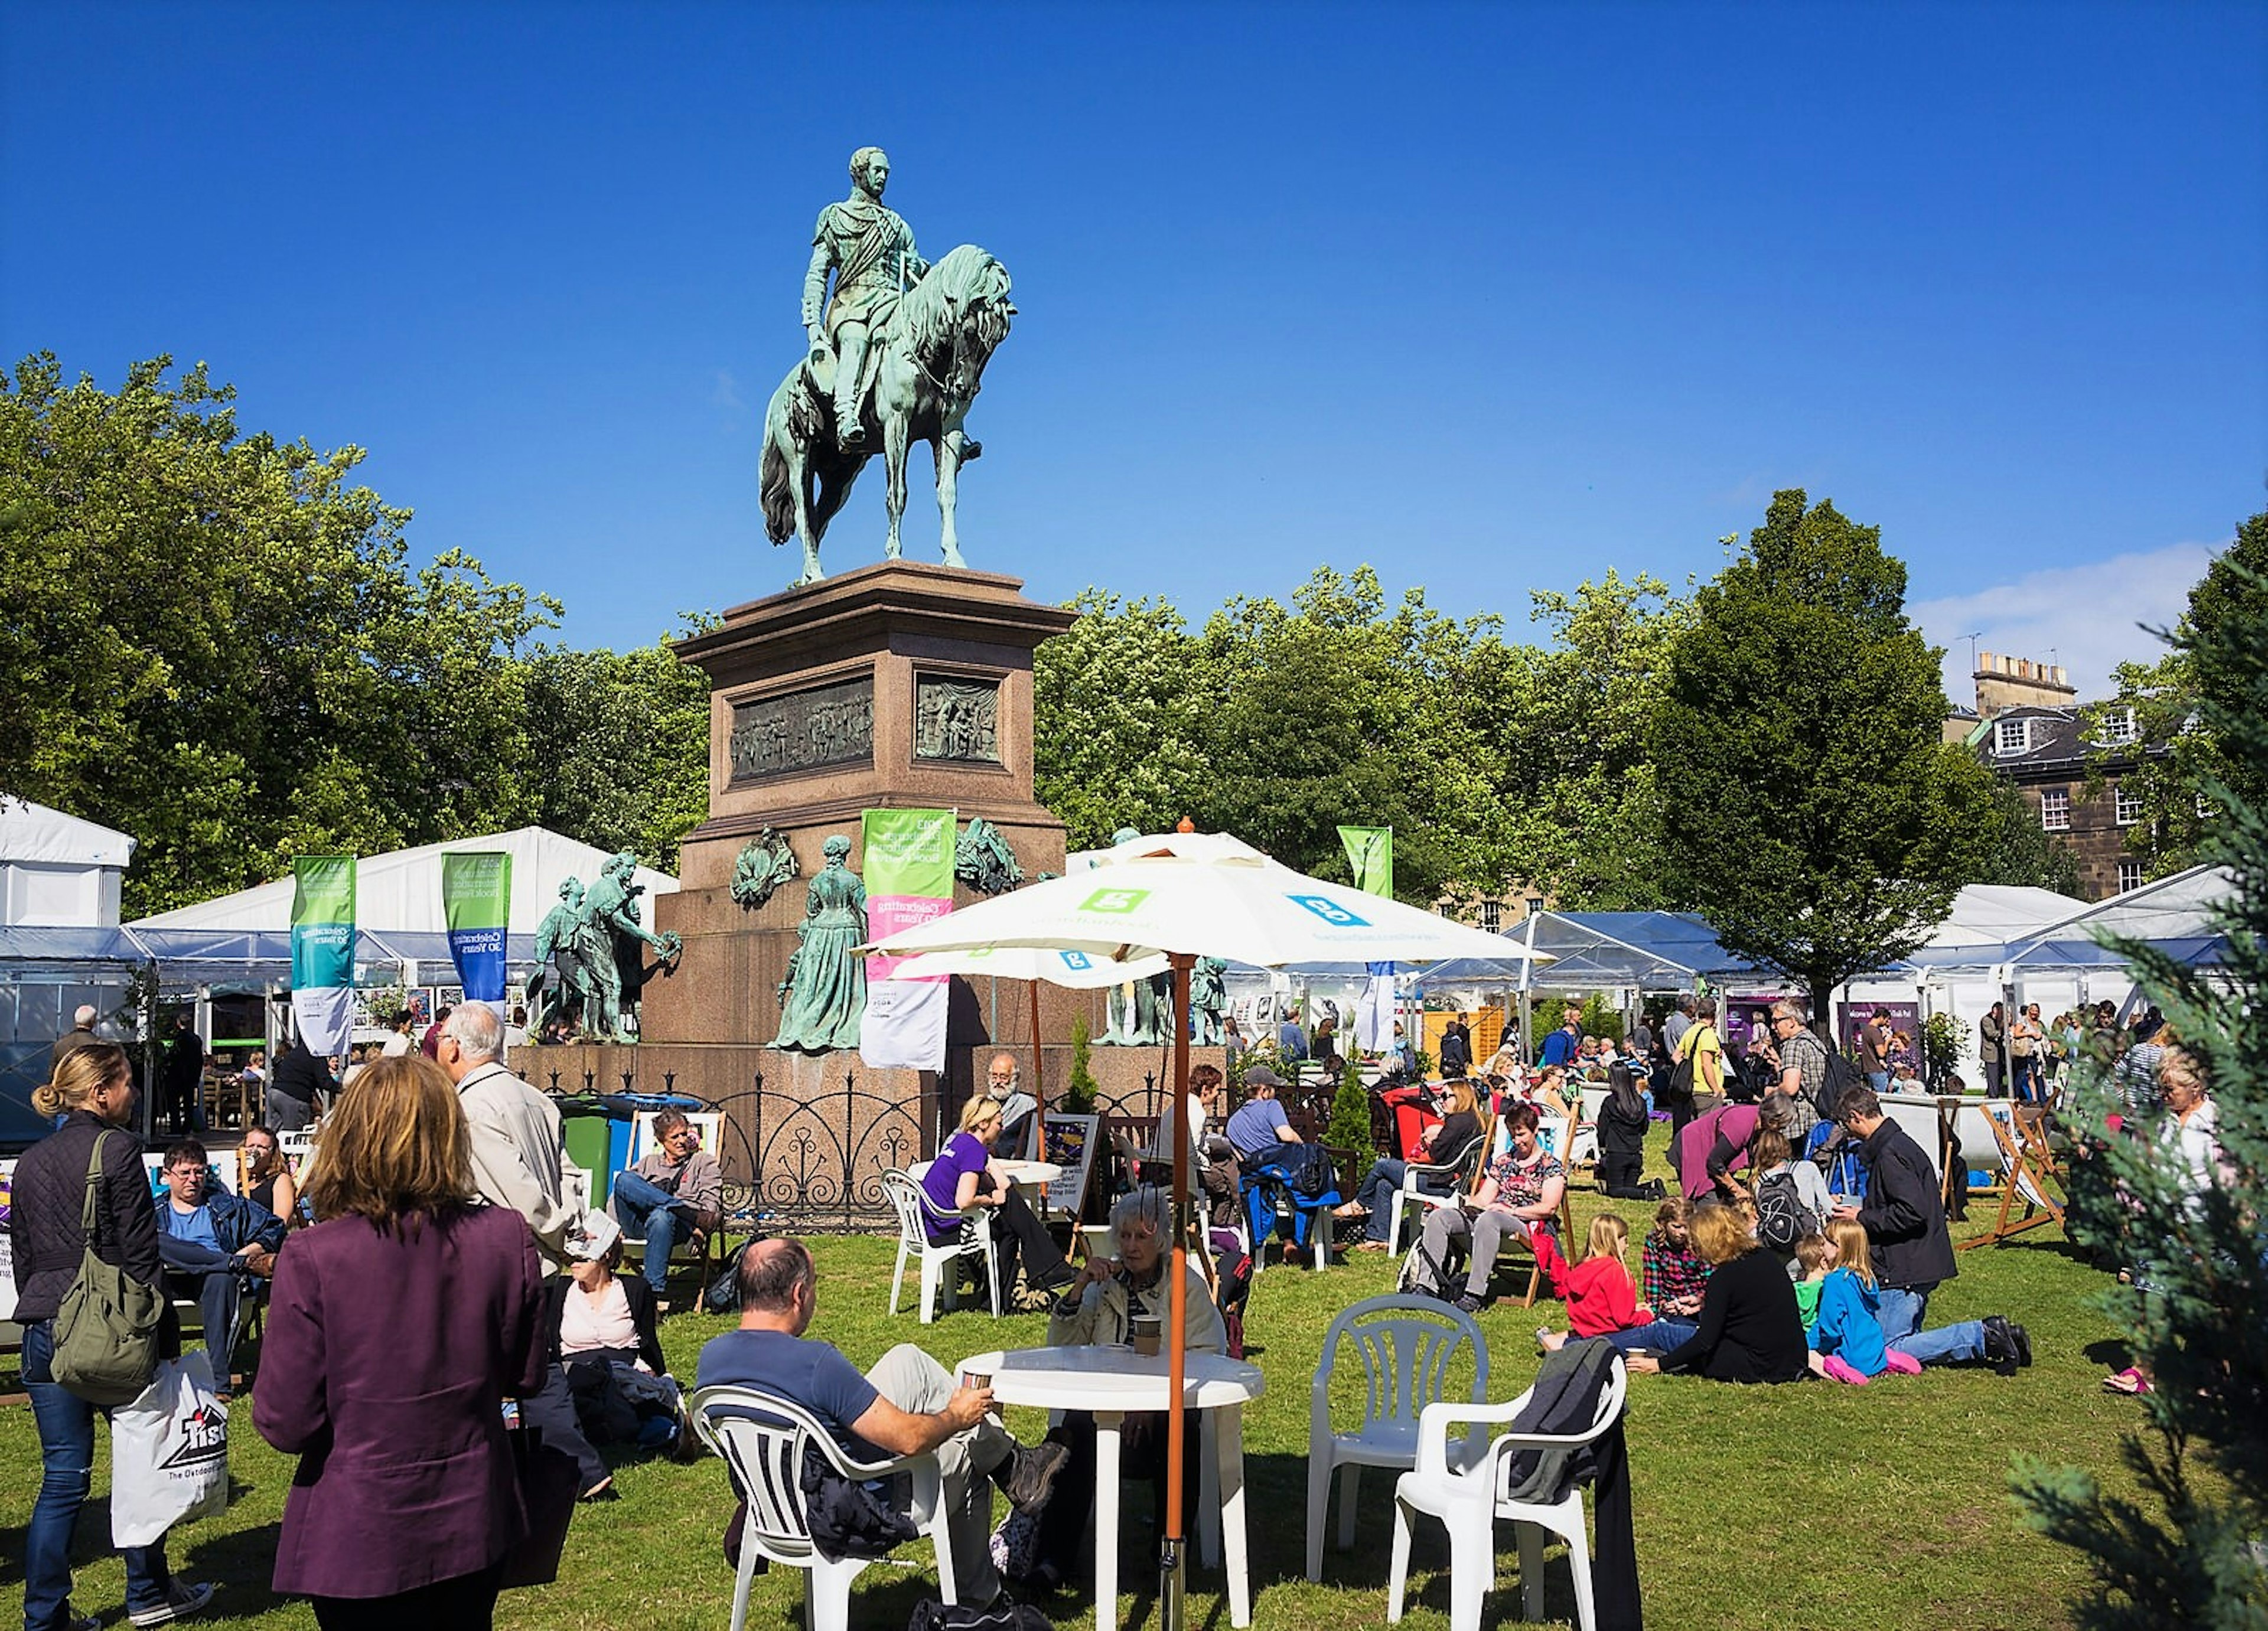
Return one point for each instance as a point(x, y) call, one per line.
point(476, 902)
point(322, 952)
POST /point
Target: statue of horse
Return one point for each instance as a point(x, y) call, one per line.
point(932, 358)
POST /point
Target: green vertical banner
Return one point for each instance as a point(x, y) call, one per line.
point(322, 952)
point(1370, 852)
point(908, 878)
point(477, 901)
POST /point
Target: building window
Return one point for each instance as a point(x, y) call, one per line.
point(2011, 736)
point(2055, 810)
point(2128, 806)
point(1535, 905)
point(2116, 726)
point(2130, 876)
point(1492, 916)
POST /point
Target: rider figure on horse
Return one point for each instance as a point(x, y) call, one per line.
point(870, 250)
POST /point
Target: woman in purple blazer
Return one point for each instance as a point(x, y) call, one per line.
point(397, 1326)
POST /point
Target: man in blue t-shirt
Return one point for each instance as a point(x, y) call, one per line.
point(1259, 1130)
point(214, 1246)
point(906, 1405)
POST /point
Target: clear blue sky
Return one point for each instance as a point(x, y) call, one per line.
point(1491, 297)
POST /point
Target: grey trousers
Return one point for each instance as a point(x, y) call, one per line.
point(1447, 1227)
point(916, 1384)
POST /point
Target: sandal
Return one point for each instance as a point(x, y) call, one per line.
point(2130, 1381)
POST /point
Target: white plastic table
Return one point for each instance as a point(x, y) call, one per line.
point(1032, 1176)
point(1113, 1382)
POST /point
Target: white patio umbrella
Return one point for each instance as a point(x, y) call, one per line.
point(1190, 895)
point(1074, 970)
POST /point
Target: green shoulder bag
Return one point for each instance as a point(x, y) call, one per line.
point(107, 1328)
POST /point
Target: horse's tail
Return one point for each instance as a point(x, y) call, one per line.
point(795, 416)
point(779, 493)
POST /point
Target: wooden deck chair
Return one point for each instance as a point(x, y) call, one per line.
point(2028, 1169)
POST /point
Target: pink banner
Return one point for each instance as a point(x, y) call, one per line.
point(886, 914)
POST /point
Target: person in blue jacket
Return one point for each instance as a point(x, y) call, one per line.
point(220, 1243)
point(1846, 1339)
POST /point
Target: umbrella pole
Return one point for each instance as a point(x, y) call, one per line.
point(1039, 1070)
point(1170, 1561)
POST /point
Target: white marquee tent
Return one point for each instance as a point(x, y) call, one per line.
point(398, 895)
point(58, 870)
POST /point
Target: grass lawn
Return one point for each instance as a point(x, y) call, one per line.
point(1811, 1505)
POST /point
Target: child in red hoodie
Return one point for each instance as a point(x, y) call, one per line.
point(1598, 1292)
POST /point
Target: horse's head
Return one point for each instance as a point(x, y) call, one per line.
point(958, 315)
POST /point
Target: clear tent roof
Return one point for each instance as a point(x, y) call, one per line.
point(1645, 951)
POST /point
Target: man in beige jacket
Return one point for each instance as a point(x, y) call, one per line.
point(518, 1150)
point(519, 1162)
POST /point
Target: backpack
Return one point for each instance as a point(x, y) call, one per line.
point(723, 1295)
point(1841, 1076)
point(1683, 1074)
point(106, 1330)
point(931, 1616)
point(1782, 1219)
point(1233, 1283)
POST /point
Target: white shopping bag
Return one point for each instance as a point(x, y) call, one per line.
point(168, 1453)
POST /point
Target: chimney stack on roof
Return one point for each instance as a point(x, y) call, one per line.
point(2004, 682)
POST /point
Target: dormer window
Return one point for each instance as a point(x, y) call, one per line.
point(2011, 736)
point(2115, 727)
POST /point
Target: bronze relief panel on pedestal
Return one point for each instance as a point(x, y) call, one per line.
point(814, 729)
point(957, 719)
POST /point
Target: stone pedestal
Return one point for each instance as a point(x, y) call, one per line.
point(893, 686)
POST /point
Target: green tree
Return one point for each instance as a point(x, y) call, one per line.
point(1334, 711)
point(1350, 1124)
point(213, 641)
point(1565, 732)
point(2186, 1550)
point(621, 743)
point(1811, 810)
point(2016, 849)
point(2166, 700)
point(1118, 719)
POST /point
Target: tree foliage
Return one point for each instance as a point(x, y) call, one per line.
point(2168, 701)
point(2016, 849)
point(1811, 809)
point(216, 642)
point(620, 743)
point(1494, 762)
point(1564, 739)
point(2186, 1550)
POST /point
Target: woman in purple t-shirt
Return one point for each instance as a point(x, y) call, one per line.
point(965, 1176)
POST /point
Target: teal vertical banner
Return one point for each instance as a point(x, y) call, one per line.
point(322, 952)
point(477, 901)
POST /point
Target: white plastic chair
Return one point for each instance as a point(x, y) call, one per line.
point(1585, 1152)
point(1470, 1499)
point(1406, 1346)
point(940, 1260)
point(766, 1457)
point(1452, 1174)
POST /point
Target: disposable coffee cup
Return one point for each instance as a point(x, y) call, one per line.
point(1149, 1330)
